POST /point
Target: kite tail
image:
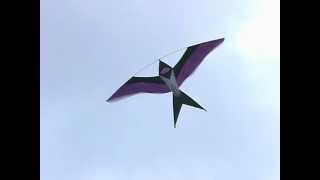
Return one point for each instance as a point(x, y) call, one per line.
point(179, 99)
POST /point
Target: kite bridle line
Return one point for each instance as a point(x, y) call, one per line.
point(173, 52)
point(146, 66)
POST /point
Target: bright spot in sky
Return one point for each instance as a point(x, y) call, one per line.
point(259, 37)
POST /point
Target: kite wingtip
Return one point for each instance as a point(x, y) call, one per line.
point(218, 41)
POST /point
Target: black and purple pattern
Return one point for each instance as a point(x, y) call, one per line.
point(140, 85)
point(192, 58)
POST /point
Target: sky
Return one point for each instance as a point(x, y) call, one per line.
point(89, 48)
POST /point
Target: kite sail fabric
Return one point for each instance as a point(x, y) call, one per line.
point(192, 58)
point(140, 85)
point(170, 79)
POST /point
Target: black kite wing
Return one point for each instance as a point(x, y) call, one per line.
point(192, 58)
point(137, 85)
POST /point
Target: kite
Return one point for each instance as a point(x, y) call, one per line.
point(170, 78)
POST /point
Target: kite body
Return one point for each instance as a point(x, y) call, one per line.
point(170, 78)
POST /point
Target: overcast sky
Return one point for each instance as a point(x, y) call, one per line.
point(89, 48)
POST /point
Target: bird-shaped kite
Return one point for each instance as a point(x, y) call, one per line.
point(170, 79)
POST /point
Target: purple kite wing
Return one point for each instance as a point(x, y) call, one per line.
point(192, 58)
point(137, 85)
